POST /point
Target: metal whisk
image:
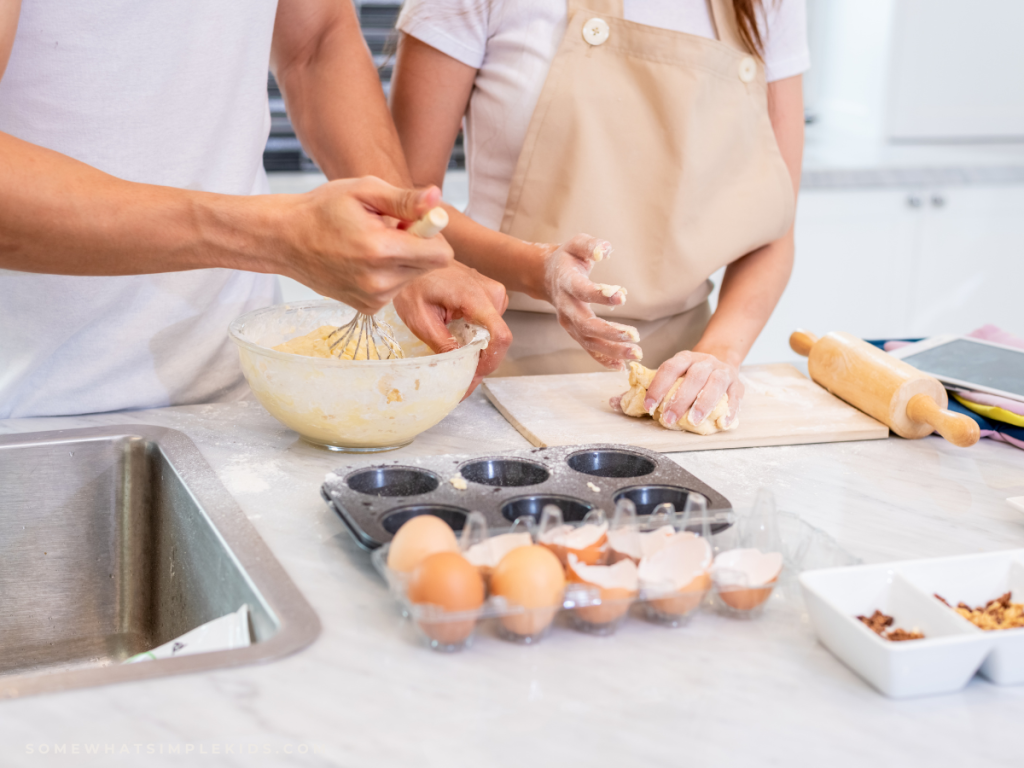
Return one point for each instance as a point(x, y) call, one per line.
point(365, 337)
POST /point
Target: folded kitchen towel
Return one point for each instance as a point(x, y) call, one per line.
point(992, 407)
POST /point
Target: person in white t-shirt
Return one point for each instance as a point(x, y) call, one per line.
point(135, 222)
point(669, 129)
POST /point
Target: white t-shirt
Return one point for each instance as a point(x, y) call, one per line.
point(171, 93)
point(512, 43)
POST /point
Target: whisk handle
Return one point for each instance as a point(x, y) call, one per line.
point(430, 224)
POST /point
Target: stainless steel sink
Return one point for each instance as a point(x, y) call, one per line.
point(116, 540)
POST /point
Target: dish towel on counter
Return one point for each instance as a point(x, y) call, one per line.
point(999, 418)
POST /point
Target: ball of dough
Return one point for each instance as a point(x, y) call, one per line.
point(632, 404)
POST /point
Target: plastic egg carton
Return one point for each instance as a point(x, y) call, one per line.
point(581, 607)
point(374, 499)
point(953, 649)
point(584, 608)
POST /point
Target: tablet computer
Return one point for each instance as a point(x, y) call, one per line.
point(972, 364)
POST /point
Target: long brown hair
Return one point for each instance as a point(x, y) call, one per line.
point(746, 23)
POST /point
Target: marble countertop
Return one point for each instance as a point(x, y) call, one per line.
point(838, 160)
point(716, 692)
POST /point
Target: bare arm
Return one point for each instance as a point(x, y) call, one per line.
point(62, 216)
point(10, 10)
point(752, 287)
point(332, 91)
point(336, 103)
point(429, 95)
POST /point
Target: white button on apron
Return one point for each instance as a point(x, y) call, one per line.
point(748, 69)
point(595, 31)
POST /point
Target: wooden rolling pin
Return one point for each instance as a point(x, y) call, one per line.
point(911, 403)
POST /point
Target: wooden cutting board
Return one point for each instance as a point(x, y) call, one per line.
point(781, 407)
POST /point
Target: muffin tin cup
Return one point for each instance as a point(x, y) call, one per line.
point(373, 499)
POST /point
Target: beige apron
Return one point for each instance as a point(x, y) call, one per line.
point(660, 142)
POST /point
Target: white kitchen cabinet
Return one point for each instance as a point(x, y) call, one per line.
point(852, 271)
point(889, 263)
point(970, 269)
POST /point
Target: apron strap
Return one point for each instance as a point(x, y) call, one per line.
point(611, 8)
point(723, 15)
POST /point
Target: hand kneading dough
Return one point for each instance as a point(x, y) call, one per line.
point(632, 404)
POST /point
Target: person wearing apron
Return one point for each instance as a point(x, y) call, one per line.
point(667, 143)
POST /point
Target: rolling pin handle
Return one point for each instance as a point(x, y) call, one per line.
point(801, 342)
point(955, 427)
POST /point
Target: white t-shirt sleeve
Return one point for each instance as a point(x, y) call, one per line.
point(458, 28)
point(785, 48)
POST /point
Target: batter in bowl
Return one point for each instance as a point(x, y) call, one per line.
point(318, 344)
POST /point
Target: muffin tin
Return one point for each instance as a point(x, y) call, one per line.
point(374, 499)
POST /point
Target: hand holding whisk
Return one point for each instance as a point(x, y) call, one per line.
point(366, 338)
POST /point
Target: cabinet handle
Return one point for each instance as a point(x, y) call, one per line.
point(938, 201)
point(914, 201)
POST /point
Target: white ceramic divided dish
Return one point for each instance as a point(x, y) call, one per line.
point(944, 661)
point(974, 580)
point(352, 405)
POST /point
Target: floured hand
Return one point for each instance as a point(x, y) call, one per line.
point(637, 401)
point(568, 287)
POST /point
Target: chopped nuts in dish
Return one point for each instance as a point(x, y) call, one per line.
point(996, 614)
point(879, 623)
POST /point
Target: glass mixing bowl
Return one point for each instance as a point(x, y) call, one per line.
point(352, 405)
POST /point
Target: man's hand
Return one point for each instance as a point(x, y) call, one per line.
point(705, 380)
point(343, 241)
point(568, 287)
point(430, 302)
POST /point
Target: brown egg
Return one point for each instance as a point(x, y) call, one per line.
point(448, 581)
point(617, 585)
point(489, 552)
point(531, 577)
point(419, 537)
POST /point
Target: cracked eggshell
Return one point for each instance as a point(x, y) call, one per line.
point(745, 578)
point(532, 578)
point(488, 553)
point(449, 582)
point(588, 542)
point(418, 538)
point(624, 542)
point(617, 585)
point(675, 578)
